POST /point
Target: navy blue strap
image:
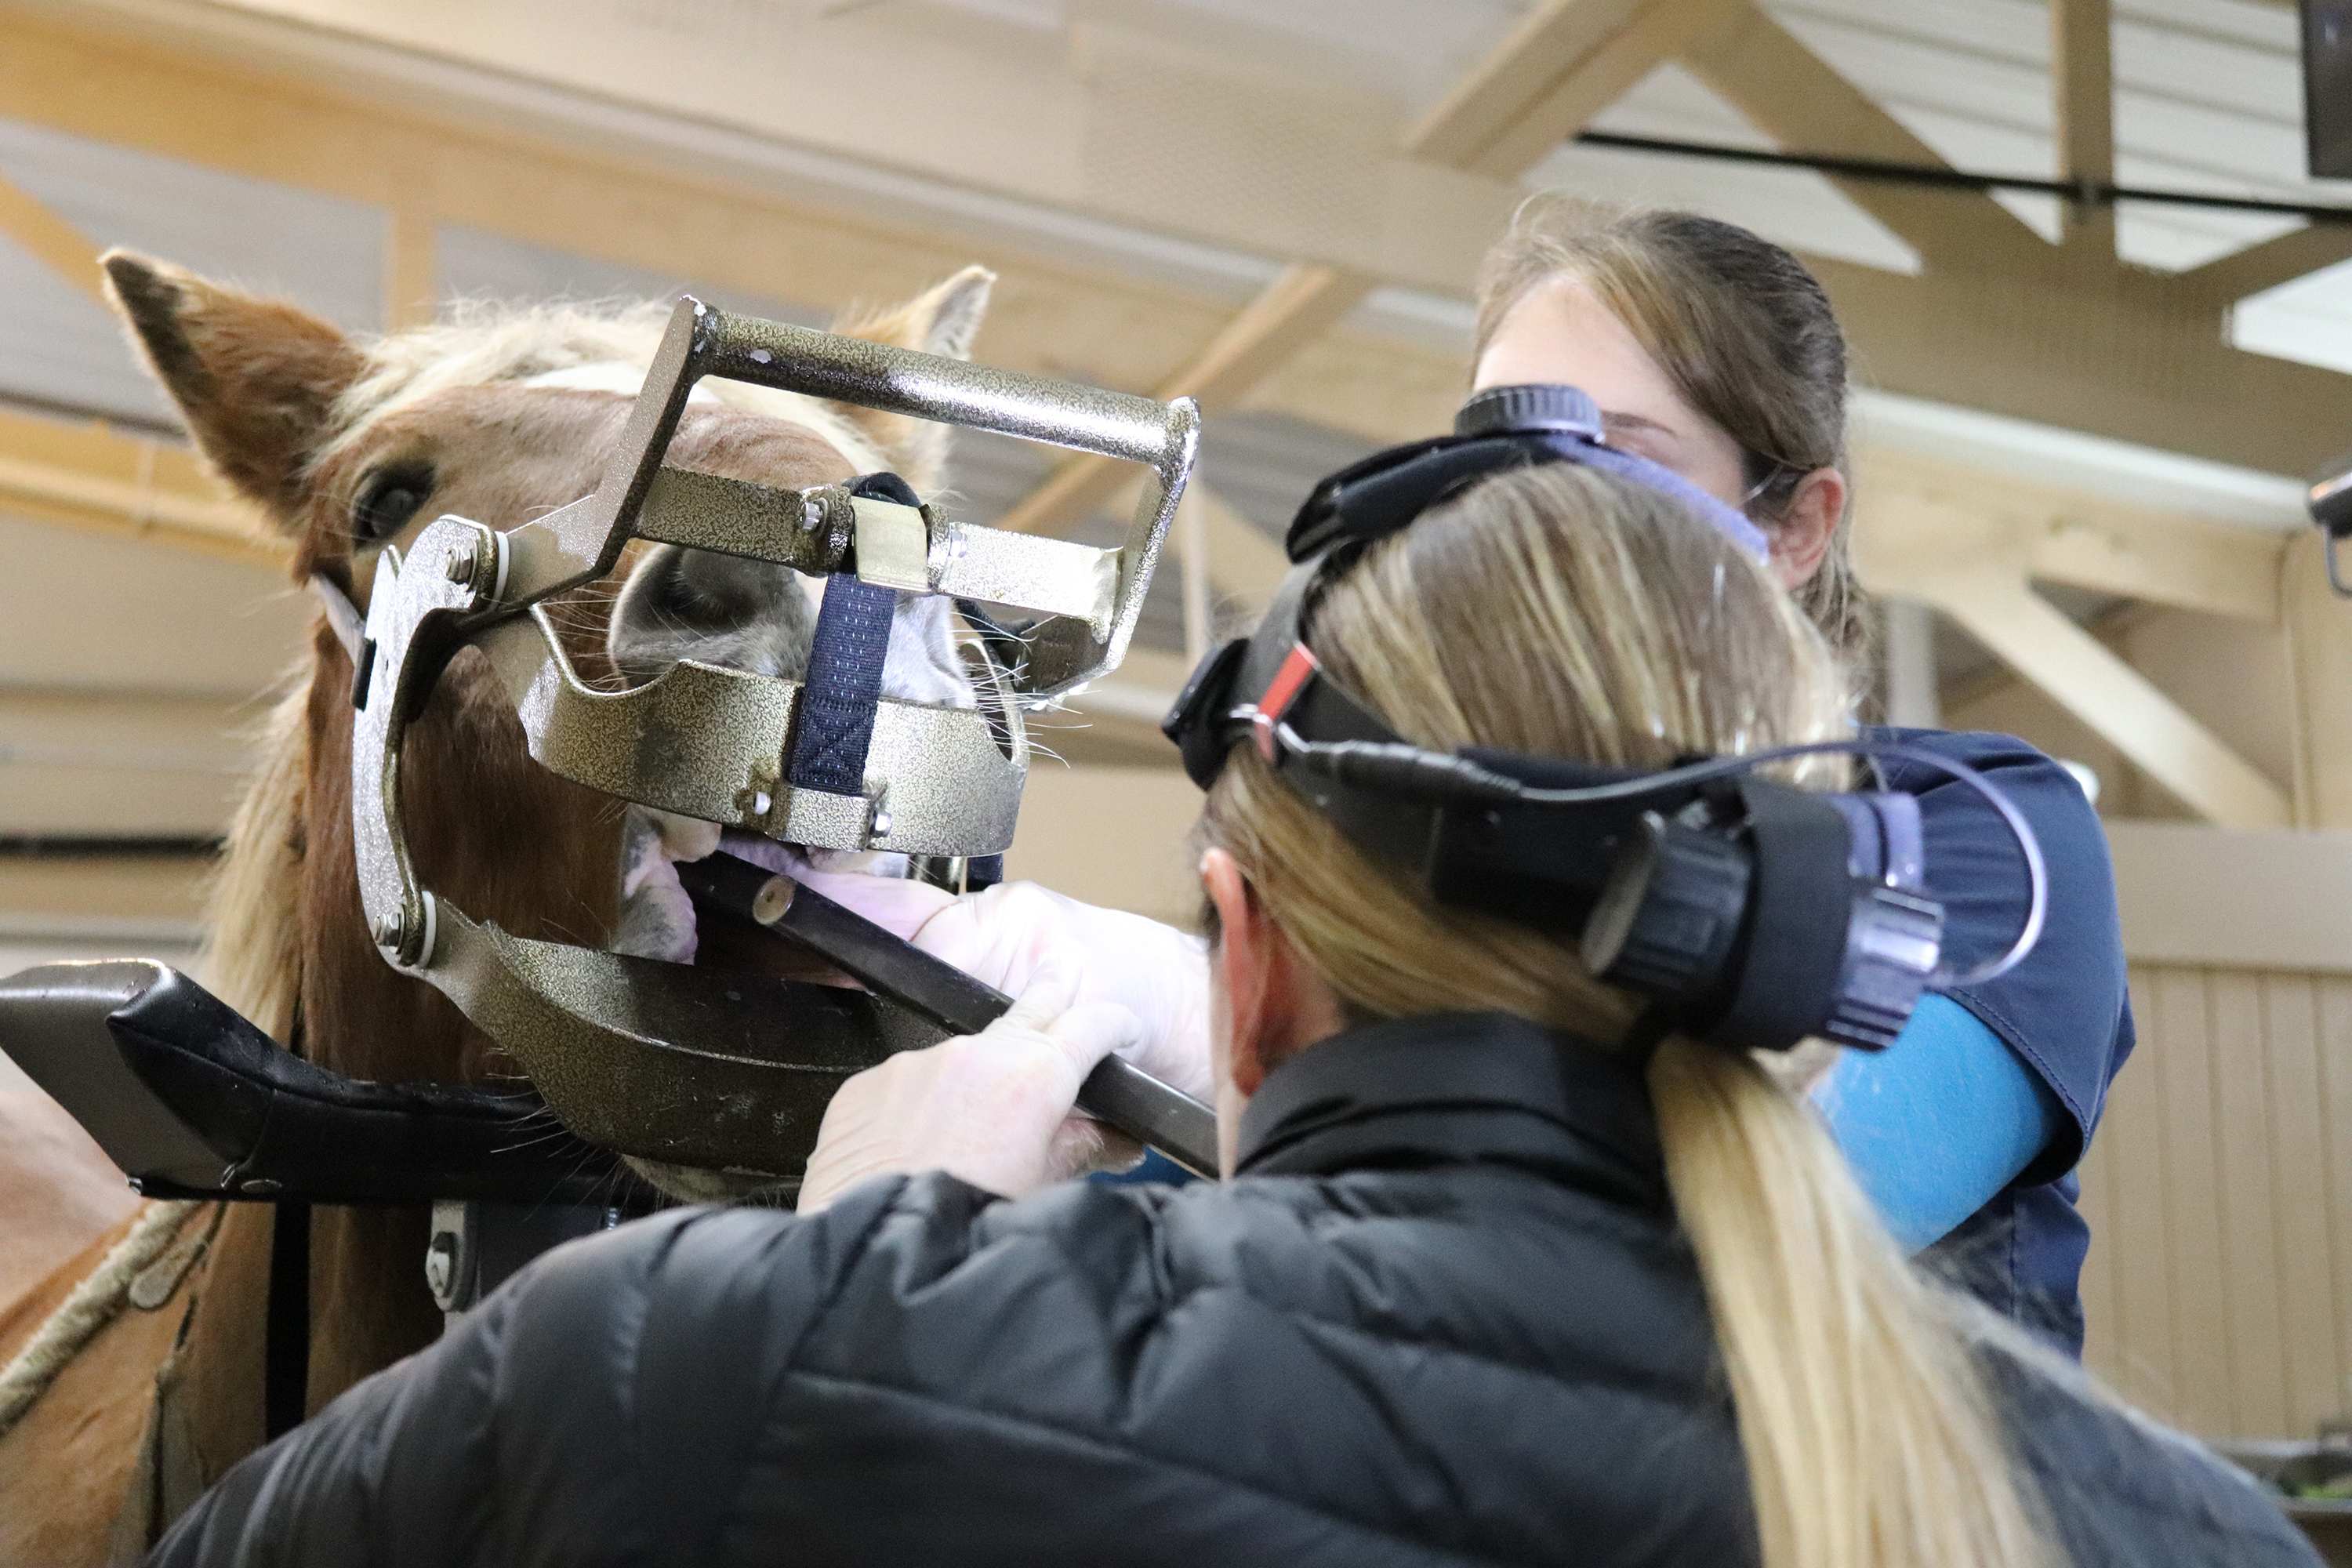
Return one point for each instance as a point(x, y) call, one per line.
point(843, 683)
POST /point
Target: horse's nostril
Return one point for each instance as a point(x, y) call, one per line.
point(722, 592)
point(760, 617)
point(715, 609)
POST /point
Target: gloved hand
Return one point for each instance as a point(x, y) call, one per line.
point(992, 1109)
point(1005, 935)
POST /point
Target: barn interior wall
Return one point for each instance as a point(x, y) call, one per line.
point(2235, 676)
point(2219, 1287)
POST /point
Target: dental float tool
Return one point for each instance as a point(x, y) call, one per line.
point(1115, 1093)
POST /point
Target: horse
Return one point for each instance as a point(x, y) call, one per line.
point(143, 1358)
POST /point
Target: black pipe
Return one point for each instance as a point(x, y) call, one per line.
point(2083, 193)
point(108, 845)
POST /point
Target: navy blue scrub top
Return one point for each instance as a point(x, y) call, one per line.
point(2064, 1010)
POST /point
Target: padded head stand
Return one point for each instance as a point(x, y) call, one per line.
point(194, 1101)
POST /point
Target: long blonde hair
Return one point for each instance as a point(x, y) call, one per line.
point(1563, 612)
point(1740, 327)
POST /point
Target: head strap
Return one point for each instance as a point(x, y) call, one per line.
point(1503, 427)
point(1257, 683)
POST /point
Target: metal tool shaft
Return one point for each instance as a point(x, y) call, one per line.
point(1115, 1093)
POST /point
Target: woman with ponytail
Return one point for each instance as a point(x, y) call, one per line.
point(1499, 1273)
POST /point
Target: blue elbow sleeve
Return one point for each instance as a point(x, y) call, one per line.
point(1939, 1123)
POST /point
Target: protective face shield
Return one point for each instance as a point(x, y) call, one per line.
point(723, 1071)
point(1751, 913)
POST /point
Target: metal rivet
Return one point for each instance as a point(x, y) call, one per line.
point(761, 803)
point(464, 567)
point(773, 901)
point(391, 929)
point(441, 1266)
point(881, 824)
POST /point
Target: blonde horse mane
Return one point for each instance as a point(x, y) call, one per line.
point(484, 341)
point(252, 954)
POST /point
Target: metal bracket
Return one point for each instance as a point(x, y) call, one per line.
point(894, 545)
point(478, 1246)
point(657, 1059)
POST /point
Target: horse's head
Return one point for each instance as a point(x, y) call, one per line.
point(350, 448)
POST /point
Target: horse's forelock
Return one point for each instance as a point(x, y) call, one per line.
point(485, 343)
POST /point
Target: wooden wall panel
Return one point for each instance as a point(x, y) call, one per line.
point(2134, 1247)
point(2336, 1069)
point(2191, 1188)
point(2311, 1356)
point(2218, 1288)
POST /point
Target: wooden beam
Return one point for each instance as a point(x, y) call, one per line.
point(674, 218)
point(1916, 513)
point(2227, 280)
point(1242, 559)
point(1568, 60)
point(2084, 677)
point(1794, 97)
point(2220, 898)
point(1565, 62)
point(91, 478)
point(2083, 93)
point(412, 273)
point(131, 898)
point(1220, 555)
point(54, 242)
point(1292, 309)
point(2183, 561)
point(2127, 353)
point(1966, 542)
point(2132, 356)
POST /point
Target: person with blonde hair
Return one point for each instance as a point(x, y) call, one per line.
point(1507, 1266)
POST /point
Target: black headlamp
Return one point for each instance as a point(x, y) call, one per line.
point(1754, 913)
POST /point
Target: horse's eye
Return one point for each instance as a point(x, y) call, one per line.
point(389, 501)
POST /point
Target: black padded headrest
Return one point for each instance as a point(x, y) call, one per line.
point(193, 1101)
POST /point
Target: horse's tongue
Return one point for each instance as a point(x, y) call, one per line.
point(880, 894)
point(656, 916)
point(658, 919)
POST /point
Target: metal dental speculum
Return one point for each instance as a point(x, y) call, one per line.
point(701, 1068)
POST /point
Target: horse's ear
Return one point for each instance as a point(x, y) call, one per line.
point(942, 320)
point(256, 379)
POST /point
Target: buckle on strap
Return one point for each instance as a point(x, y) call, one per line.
point(1282, 693)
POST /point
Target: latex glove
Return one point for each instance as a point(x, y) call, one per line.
point(1007, 934)
point(994, 1108)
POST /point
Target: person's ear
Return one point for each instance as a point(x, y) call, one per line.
point(1245, 964)
point(1801, 538)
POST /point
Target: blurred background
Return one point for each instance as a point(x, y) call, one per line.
point(2082, 428)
